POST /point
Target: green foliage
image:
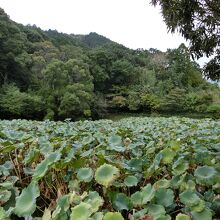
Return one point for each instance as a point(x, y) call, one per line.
point(197, 22)
point(164, 169)
point(16, 104)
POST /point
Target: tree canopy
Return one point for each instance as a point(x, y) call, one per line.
point(52, 75)
point(199, 22)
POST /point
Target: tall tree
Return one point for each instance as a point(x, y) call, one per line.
point(199, 22)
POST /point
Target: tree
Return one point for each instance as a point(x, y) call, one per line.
point(199, 22)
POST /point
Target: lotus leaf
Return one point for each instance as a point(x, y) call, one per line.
point(163, 217)
point(216, 204)
point(80, 212)
point(2, 213)
point(206, 175)
point(164, 197)
point(137, 199)
point(115, 143)
point(167, 155)
point(94, 200)
point(156, 210)
point(42, 167)
point(106, 174)
point(46, 215)
point(206, 214)
point(147, 193)
point(85, 174)
point(180, 166)
point(97, 216)
point(4, 196)
point(26, 202)
point(189, 198)
point(181, 216)
point(199, 207)
point(113, 216)
point(121, 202)
point(140, 213)
point(131, 181)
point(163, 183)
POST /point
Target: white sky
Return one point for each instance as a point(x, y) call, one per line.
point(133, 23)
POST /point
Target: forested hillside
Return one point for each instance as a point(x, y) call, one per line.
point(51, 75)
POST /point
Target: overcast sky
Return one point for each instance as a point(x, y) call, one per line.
point(133, 23)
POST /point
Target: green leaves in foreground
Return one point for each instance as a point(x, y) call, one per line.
point(106, 174)
point(26, 202)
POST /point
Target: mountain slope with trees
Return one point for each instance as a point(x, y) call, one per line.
point(52, 75)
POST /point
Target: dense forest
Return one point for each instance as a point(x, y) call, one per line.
point(52, 75)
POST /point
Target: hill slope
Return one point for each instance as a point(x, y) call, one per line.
point(47, 74)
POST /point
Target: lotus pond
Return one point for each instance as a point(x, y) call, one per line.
point(135, 168)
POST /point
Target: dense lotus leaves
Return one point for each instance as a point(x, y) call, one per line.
point(168, 166)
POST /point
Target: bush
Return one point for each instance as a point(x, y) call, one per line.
point(214, 108)
point(16, 104)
